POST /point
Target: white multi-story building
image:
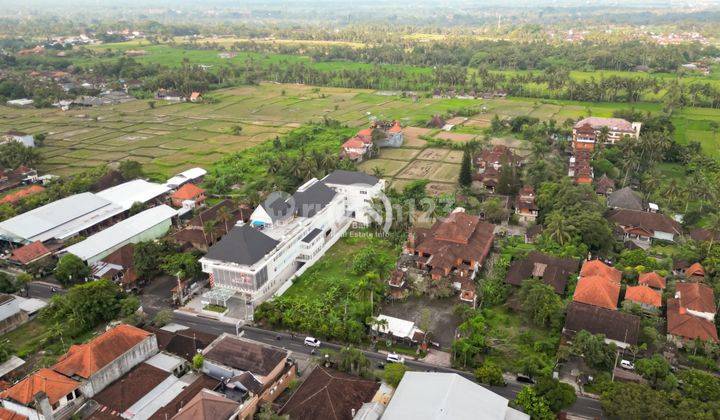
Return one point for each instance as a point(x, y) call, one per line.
point(286, 235)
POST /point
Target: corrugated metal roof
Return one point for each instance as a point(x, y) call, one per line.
point(446, 396)
point(137, 190)
point(60, 219)
point(185, 176)
point(120, 232)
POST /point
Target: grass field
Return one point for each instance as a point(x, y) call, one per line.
point(173, 137)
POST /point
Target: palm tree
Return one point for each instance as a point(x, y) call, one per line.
point(558, 227)
point(209, 230)
point(224, 216)
point(714, 227)
point(603, 134)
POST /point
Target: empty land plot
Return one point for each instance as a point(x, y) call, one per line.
point(387, 166)
point(399, 154)
point(456, 121)
point(419, 169)
point(478, 122)
point(455, 156)
point(435, 188)
point(455, 137)
point(412, 135)
point(546, 111)
point(445, 172)
point(434, 154)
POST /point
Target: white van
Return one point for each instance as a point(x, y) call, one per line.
point(395, 358)
point(312, 342)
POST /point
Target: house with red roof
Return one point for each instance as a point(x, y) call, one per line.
point(684, 327)
point(695, 270)
point(696, 299)
point(44, 392)
point(589, 131)
point(525, 206)
point(648, 299)
point(599, 268)
point(30, 253)
point(653, 280)
point(188, 193)
point(597, 291)
point(107, 357)
point(453, 248)
point(599, 285)
point(356, 148)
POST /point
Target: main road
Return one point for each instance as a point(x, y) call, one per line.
point(584, 406)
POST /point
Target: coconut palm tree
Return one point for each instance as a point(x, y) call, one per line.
point(209, 231)
point(559, 228)
point(225, 216)
point(713, 226)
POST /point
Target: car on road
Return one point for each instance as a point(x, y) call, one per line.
point(395, 358)
point(524, 379)
point(312, 342)
point(626, 364)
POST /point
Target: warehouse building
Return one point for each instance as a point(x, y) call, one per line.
point(147, 225)
point(131, 192)
point(60, 220)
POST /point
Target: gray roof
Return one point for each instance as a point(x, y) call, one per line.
point(312, 199)
point(310, 236)
point(242, 245)
point(341, 177)
point(625, 198)
point(59, 219)
point(425, 395)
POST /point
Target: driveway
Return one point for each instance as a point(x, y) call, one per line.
point(157, 294)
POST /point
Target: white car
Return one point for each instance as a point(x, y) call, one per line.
point(626, 364)
point(395, 358)
point(312, 342)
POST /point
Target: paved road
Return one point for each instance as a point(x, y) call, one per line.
point(583, 406)
point(43, 289)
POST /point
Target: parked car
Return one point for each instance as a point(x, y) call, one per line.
point(626, 364)
point(524, 379)
point(395, 358)
point(312, 342)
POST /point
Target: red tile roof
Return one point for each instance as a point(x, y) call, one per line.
point(367, 132)
point(696, 297)
point(44, 380)
point(329, 395)
point(207, 405)
point(652, 279)
point(85, 359)
point(17, 195)
point(597, 291)
point(6, 414)
point(29, 253)
point(682, 324)
point(644, 294)
point(695, 270)
point(188, 191)
point(599, 268)
point(353, 143)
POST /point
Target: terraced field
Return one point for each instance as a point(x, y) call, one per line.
point(167, 138)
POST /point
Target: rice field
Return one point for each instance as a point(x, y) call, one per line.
point(168, 138)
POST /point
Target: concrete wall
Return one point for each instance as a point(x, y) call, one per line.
point(120, 366)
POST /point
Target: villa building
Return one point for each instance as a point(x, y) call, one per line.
point(285, 236)
point(592, 130)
